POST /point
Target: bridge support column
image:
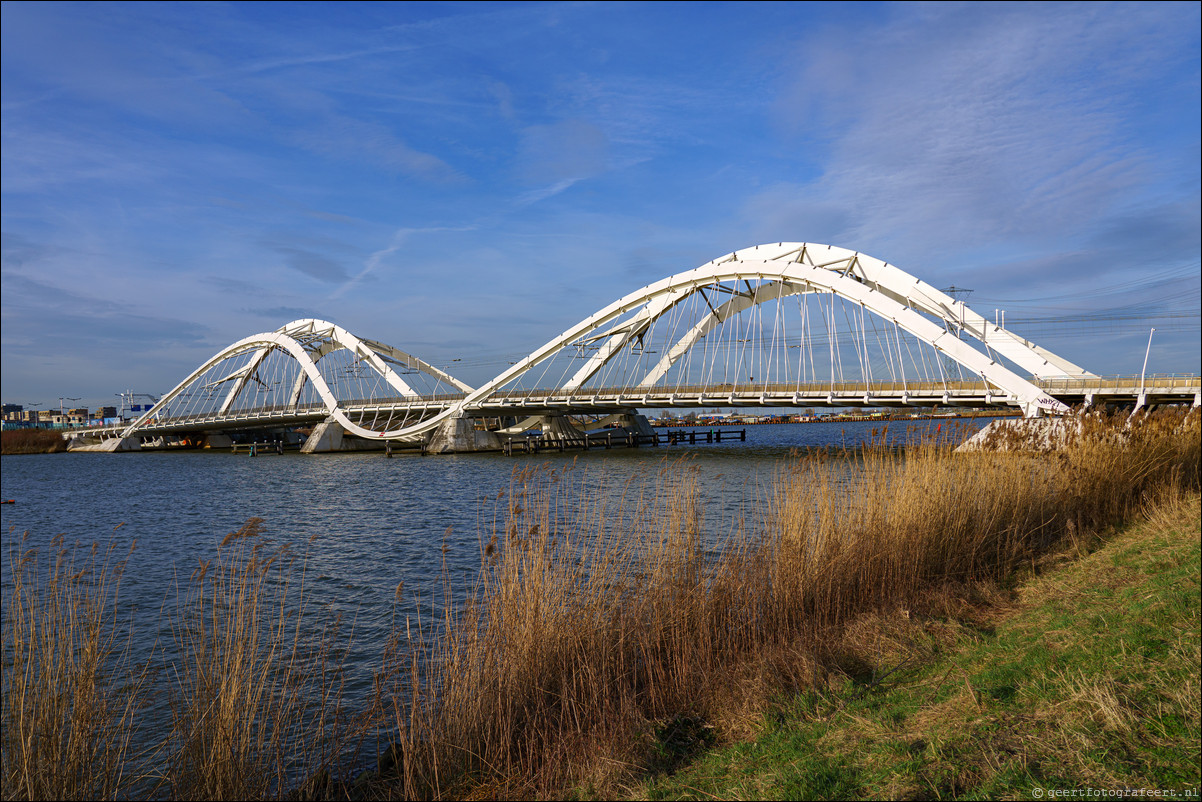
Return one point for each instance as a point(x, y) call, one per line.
point(1041, 435)
point(459, 435)
point(107, 445)
point(558, 427)
point(329, 436)
point(1032, 411)
point(636, 424)
point(326, 437)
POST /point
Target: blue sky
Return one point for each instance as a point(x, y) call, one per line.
point(466, 180)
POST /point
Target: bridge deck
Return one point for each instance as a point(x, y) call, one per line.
point(391, 411)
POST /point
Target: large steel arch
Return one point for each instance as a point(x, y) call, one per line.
point(885, 291)
point(306, 341)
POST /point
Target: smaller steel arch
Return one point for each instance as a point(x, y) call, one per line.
point(307, 341)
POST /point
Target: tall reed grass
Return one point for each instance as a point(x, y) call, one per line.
point(604, 630)
point(70, 691)
point(255, 690)
point(606, 634)
point(244, 703)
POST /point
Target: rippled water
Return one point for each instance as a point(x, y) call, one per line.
point(375, 521)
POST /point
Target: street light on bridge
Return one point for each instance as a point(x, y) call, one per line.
point(1144, 372)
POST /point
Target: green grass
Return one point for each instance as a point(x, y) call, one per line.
point(1086, 675)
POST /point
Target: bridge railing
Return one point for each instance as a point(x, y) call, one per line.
point(1155, 382)
point(777, 389)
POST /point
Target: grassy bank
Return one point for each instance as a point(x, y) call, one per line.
point(31, 441)
point(606, 639)
point(1084, 676)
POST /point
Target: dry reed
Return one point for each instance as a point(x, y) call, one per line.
point(70, 688)
point(32, 441)
point(600, 625)
point(256, 697)
point(253, 684)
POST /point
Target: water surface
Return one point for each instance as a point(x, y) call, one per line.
point(374, 521)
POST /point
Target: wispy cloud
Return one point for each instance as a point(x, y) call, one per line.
point(284, 62)
point(378, 258)
point(950, 130)
point(312, 264)
point(344, 138)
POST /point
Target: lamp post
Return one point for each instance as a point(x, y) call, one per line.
point(61, 413)
point(1143, 373)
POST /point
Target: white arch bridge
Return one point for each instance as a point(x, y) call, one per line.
point(779, 325)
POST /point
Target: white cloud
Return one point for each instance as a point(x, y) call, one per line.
point(972, 125)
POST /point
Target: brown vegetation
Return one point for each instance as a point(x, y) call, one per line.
point(31, 441)
point(604, 638)
point(68, 708)
point(601, 642)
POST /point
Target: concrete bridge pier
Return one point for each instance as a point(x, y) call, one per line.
point(326, 437)
point(107, 445)
point(459, 435)
point(558, 428)
point(634, 423)
point(329, 437)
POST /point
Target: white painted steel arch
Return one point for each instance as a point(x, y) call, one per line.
point(322, 338)
point(780, 269)
point(886, 291)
